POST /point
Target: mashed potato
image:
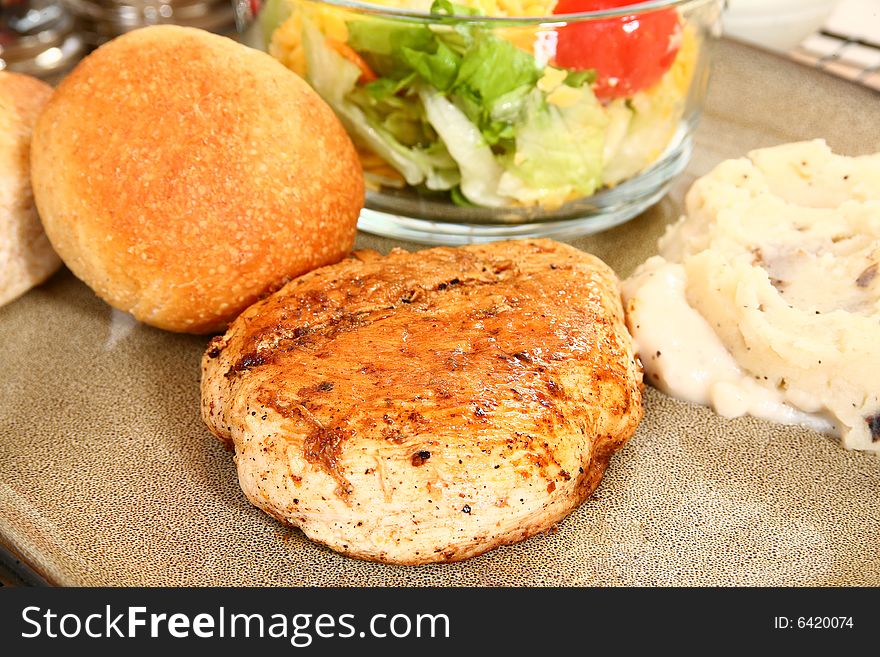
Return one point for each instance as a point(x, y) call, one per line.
point(765, 299)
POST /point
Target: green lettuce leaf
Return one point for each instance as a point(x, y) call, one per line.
point(559, 151)
point(480, 172)
point(401, 114)
point(387, 88)
point(486, 77)
point(580, 78)
point(649, 129)
point(493, 81)
point(273, 13)
point(447, 8)
point(335, 79)
point(382, 44)
point(438, 68)
point(495, 67)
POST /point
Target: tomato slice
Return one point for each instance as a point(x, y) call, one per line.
point(629, 53)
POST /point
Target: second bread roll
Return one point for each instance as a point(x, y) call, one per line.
point(183, 175)
point(26, 257)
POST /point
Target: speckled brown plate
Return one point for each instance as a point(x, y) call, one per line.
point(107, 476)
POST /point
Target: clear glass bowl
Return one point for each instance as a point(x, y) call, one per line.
point(473, 128)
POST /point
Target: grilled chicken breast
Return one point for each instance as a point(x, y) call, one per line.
point(428, 406)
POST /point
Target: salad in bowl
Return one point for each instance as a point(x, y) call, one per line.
point(505, 115)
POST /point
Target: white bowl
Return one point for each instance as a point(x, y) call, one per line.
point(775, 24)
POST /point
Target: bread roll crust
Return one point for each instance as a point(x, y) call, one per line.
point(26, 257)
point(183, 176)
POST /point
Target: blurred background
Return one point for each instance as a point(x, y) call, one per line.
point(46, 37)
point(839, 36)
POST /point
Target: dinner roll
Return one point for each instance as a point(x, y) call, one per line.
point(183, 175)
point(26, 257)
